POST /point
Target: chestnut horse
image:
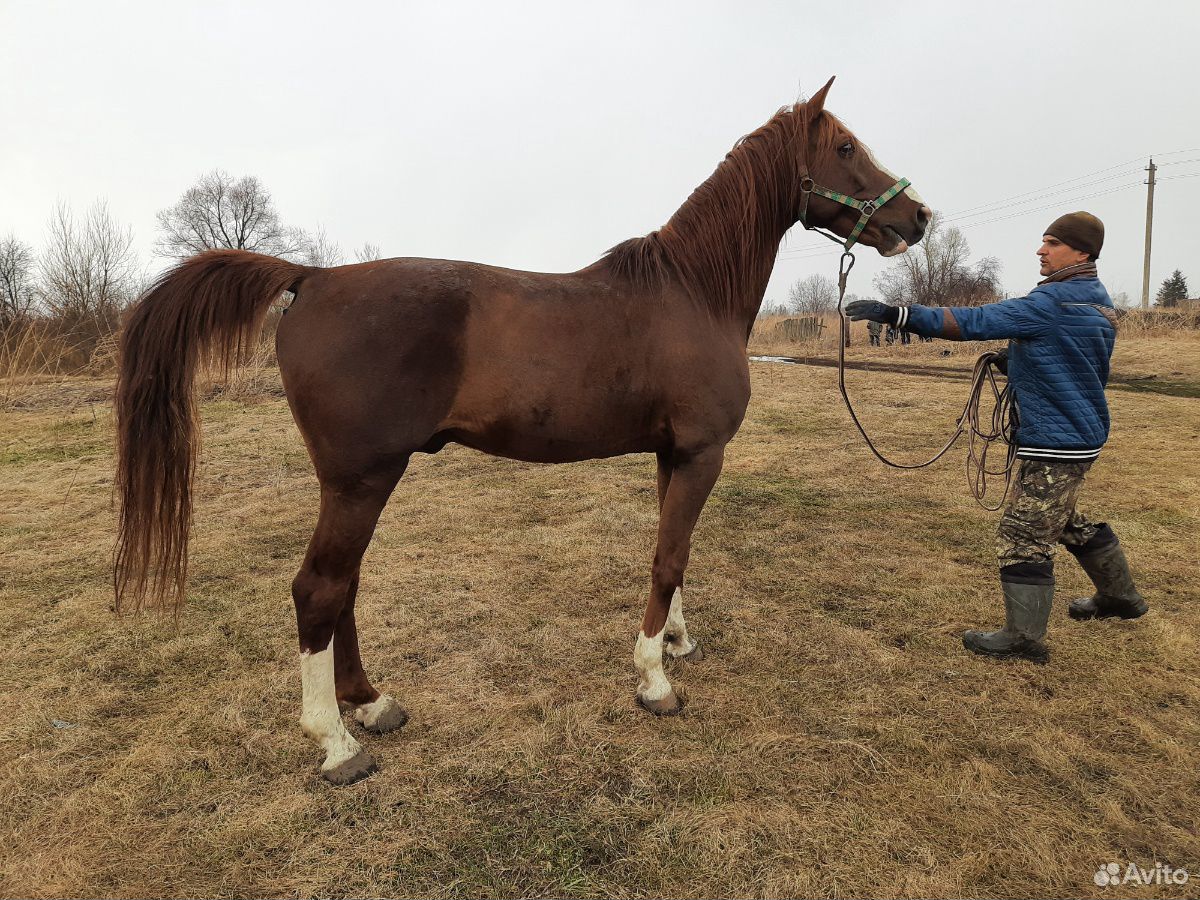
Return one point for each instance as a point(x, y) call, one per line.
point(642, 352)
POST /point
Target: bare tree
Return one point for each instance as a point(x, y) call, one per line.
point(936, 272)
point(771, 308)
point(223, 211)
point(368, 252)
point(814, 294)
point(88, 274)
point(89, 268)
point(319, 250)
point(17, 286)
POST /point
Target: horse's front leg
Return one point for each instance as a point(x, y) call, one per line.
point(691, 479)
point(676, 642)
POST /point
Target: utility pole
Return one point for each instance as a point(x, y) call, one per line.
point(1149, 231)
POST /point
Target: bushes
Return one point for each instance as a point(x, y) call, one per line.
point(35, 348)
point(1158, 322)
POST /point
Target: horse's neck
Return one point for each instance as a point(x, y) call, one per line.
point(724, 239)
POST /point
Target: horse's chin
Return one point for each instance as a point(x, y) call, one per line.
point(900, 246)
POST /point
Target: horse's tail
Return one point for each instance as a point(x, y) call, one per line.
point(206, 310)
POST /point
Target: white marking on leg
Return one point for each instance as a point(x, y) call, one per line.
point(647, 658)
point(368, 713)
point(676, 629)
point(320, 717)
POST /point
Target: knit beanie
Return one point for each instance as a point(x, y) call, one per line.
point(1080, 230)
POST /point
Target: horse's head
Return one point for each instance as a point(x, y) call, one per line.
point(833, 161)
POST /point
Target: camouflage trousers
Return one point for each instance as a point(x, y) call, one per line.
point(1042, 513)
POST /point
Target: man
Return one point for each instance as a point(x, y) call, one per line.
point(874, 329)
point(1060, 342)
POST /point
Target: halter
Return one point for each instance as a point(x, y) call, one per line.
point(866, 208)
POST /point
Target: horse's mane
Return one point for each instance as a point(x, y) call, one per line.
point(721, 244)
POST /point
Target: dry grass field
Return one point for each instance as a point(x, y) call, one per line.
point(837, 741)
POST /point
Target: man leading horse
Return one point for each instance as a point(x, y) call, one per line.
point(1060, 342)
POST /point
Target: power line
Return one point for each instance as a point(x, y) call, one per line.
point(813, 254)
point(1023, 212)
point(1036, 197)
point(804, 248)
point(1044, 188)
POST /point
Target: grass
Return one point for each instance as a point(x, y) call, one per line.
point(837, 741)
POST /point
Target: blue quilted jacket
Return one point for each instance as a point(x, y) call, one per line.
point(1060, 341)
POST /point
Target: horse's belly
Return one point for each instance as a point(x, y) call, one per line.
point(565, 433)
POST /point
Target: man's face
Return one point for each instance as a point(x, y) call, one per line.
point(1056, 255)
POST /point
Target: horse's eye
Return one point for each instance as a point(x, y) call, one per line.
point(846, 150)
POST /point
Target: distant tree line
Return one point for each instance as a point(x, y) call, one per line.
point(57, 307)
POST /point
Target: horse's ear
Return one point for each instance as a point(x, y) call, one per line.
point(816, 103)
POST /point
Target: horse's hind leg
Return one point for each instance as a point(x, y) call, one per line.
point(323, 591)
point(374, 711)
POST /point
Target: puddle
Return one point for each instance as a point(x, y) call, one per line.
point(790, 360)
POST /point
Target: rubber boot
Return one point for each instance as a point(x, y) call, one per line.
point(1115, 594)
point(1026, 612)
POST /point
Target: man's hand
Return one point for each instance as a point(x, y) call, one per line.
point(1000, 361)
point(872, 310)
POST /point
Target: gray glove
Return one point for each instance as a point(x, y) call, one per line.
point(874, 311)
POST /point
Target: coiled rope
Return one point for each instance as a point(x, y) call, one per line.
point(979, 437)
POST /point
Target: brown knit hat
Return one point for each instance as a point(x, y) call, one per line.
point(1080, 230)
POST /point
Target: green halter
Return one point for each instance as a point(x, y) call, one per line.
point(866, 208)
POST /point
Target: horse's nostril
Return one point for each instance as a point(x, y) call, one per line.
point(924, 214)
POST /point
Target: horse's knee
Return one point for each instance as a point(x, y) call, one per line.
point(319, 601)
point(667, 576)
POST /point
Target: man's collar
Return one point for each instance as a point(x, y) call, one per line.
point(1086, 269)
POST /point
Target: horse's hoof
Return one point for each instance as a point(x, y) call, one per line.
point(356, 768)
point(381, 716)
point(666, 706)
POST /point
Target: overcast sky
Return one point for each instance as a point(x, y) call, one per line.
point(536, 135)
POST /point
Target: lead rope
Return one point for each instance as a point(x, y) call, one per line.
point(979, 441)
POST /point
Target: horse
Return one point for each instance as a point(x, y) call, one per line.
point(644, 351)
